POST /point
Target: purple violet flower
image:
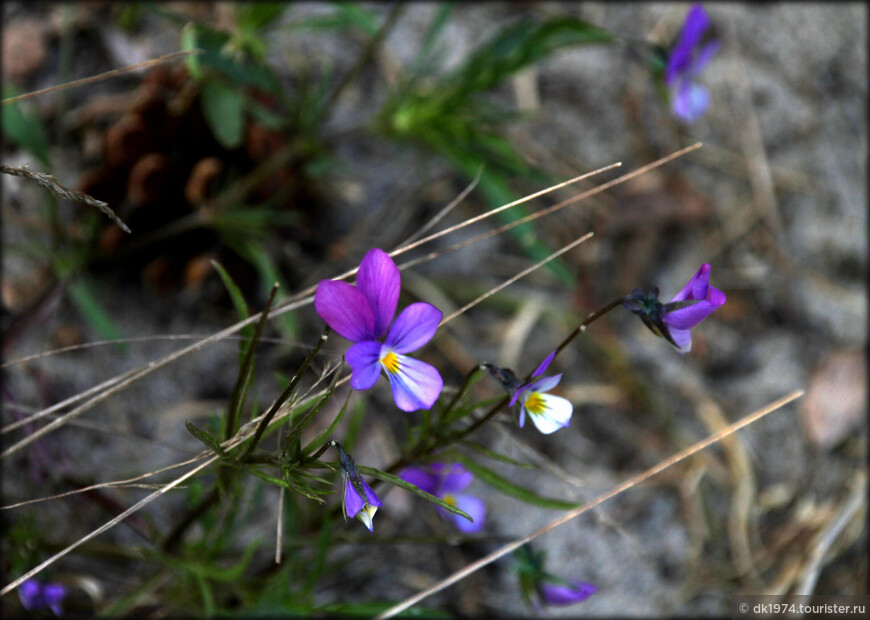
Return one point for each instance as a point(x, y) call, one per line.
point(35, 595)
point(358, 500)
point(560, 595)
point(548, 412)
point(674, 320)
point(686, 60)
point(445, 481)
point(363, 313)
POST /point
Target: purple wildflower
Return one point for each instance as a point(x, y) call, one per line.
point(675, 319)
point(35, 595)
point(363, 313)
point(559, 595)
point(548, 412)
point(445, 481)
point(358, 500)
point(685, 62)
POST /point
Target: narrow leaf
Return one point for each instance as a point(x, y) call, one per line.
point(395, 480)
point(509, 488)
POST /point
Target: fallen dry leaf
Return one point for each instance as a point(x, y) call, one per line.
point(836, 399)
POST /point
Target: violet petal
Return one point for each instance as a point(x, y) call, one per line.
point(566, 595)
point(416, 385)
point(543, 365)
point(371, 498)
point(698, 283)
point(420, 478)
point(363, 360)
point(345, 309)
point(378, 279)
point(415, 327)
point(474, 507)
point(353, 503)
point(455, 479)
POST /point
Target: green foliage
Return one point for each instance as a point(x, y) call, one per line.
point(24, 128)
point(223, 108)
point(507, 487)
point(81, 294)
point(395, 480)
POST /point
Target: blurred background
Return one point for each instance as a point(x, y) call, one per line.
point(305, 134)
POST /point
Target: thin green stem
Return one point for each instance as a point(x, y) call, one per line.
point(240, 388)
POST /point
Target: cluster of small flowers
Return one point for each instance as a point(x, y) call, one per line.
point(363, 313)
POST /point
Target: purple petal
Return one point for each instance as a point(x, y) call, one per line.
point(697, 22)
point(372, 499)
point(345, 310)
point(455, 479)
point(543, 366)
point(683, 338)
point(690, 101)
point(566, 595)
point(704, 56)
point(546, 384)
point(420, 478)
point(54, 593)
point(696, 288)
point(379, 281)
point(30, 593)
point(474, 507)
point(416, 385)
point(363, 359)
point(686, 318)
point(414, 327)
point(353, 503)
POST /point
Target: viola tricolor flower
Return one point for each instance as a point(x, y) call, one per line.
point(674, 320)
point(540, 588)
point(548, 412)
point(358, 500)
point(445, 481)
point(686, 60)
point(35, 595)
point(363, 313)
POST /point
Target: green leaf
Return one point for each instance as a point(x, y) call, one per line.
point(82, 296)
point(495, 455)
point(395, 480)
point(223, 108)
point(521, 45)
point(256, 15)
point(236, 297)
point(24, 128)
point(205, 438)
point(509, 488)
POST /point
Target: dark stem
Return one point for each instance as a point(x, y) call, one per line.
point(264, 424)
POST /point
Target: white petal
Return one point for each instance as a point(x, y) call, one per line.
point(556, 414)
point(365, 515)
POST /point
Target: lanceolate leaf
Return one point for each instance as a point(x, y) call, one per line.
point(509, 488)
point(371, 471)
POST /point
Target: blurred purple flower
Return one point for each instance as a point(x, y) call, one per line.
point(445, 481)
point(686, 60)
point(548, 412)
point(35, 595)
point(675, 319)
point(363, 313)
point(558, 595)
point(358, 500)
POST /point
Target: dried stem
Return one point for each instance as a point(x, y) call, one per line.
point(51, 184)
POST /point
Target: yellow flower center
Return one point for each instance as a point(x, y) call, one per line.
point(391, 363)
point(448, 498)
point(535, 404)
